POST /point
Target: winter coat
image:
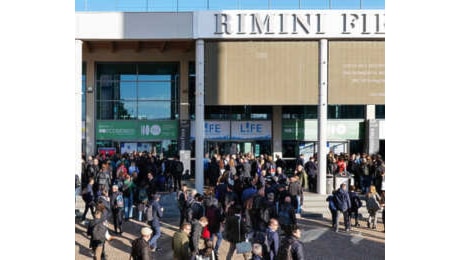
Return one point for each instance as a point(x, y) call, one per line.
point(342, 200)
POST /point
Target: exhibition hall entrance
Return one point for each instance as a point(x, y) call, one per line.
point(238, 147)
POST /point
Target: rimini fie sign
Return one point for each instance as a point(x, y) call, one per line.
point(238, 24)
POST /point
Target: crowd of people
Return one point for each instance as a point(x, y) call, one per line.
point(250, 202)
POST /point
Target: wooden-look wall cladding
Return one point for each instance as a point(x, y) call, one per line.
point(356, 72)
point(261, 73)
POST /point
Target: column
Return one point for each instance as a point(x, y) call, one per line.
point(277, 125)
point(78, 105)
point(199, 116)
point(184, 116)
point(322, 116)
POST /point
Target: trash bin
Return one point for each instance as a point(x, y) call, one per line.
point(339, 179)
point(329, 183)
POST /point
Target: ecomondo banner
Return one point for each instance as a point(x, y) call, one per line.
point(137, 130)
point(336, 129)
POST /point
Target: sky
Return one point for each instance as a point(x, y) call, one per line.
point(193, 5)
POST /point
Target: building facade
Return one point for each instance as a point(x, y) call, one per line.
point(262, 81)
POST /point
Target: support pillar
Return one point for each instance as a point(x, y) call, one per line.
point(199, 116)
point(78, 105)
point(322, 116)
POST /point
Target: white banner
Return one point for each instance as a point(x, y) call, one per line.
point(251, 130)
point(214, 130)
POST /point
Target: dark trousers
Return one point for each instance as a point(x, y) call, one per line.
point(177, 181)
point(89, 205)
point(117, 215)
point(346, 219)
point(334, 218)
point(311, 183)
point(353, 213)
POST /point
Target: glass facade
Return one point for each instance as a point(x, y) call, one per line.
point(346, 111)
point(380, 111)
point(137, 91)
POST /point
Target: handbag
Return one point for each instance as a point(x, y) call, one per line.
point(242, 247)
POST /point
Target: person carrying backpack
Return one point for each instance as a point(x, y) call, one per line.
point(117, 206)
point(140, 249)
point(355, 205)
point(333, 208)
point(291, 248)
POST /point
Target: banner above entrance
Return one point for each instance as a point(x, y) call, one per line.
point(235, 130)
point(137, 130)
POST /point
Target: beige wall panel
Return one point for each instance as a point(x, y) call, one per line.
point(356, 72)
point(261, 73)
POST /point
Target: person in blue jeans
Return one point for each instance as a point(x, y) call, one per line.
point(128, 196)
point(157, 214)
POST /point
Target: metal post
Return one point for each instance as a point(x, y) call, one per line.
point(322, 116)
point(199, 118)
point(78, 105)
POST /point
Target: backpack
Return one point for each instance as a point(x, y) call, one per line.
point(260, 237)
point(332, 206)
point(119, 200)
point(143, 197)
point(102, 179)
point(285, 252)
point(356, 202)
point(372, 203)
point(265, 214)
point(284, 217)
point(178, 167)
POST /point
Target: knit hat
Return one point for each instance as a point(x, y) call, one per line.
point(145, 231)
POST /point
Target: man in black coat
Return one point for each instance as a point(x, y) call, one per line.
point(343, 203)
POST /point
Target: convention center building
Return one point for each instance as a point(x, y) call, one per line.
point(276, 82)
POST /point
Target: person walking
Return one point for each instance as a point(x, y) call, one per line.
point(343, 203)
point(117, 205)
point(197, 230)
point(140, 249)
point(180, 242)
point(355, 205)
point(373, 205)
point(157, 214)
point(291, 245)
point(98, 234)
point(89, 199)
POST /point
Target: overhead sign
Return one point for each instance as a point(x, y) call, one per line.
point(251, 130)
point(290, 24)
point(137, 130)
point(336, 129)
point(213, 130)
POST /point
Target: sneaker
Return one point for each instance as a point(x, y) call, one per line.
point(158, 249)
point(348, 230)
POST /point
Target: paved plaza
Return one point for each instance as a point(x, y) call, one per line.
point(320, 242)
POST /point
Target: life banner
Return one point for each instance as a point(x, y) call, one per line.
point(213, 130)
point(251, 130)
point(137, 130)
